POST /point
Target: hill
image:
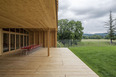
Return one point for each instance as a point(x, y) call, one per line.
point(101, 34)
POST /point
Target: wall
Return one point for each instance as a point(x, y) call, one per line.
point(40, 37)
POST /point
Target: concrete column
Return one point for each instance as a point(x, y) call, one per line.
point(1, 41)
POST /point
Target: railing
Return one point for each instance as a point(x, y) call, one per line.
point(67, 43)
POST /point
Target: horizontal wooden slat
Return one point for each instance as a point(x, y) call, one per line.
point(28, 14)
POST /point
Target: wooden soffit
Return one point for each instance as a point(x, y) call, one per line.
point(28, 13)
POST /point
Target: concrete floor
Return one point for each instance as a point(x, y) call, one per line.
point(61, 63)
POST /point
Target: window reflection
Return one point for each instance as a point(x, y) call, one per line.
point(12, 34)
point(12, 44)
point(5, 42)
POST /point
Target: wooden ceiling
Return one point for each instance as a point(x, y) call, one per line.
point(28, 14)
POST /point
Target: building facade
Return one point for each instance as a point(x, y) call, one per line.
point(27, 22)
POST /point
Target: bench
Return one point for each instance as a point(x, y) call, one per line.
point(28, 48)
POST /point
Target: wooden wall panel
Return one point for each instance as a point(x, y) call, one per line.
point(40, 37)
point(31, 38)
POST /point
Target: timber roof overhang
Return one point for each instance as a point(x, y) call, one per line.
point(39, 14)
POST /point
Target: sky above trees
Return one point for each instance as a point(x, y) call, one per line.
point(92, 13)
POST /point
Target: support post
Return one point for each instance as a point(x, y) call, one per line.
point(48, 36)
point(1, 41)
point(19, 40)
point(55, 41)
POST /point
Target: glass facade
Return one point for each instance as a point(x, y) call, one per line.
point(5, 42)
point(12, 43)
point(14, 38)
point(17, 41)
point(17, 30)
point(21, 41)
point(25, 40)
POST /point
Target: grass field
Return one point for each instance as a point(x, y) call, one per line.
point(99, 55)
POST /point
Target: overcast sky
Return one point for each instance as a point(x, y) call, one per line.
point(92, 13)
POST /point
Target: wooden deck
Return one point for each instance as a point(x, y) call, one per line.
point(61, 63)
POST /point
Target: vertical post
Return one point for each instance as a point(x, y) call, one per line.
point(1, 41)
point(48, 41)
point(19, 39)
point(55, 41)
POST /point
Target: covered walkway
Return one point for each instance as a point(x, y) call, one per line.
point(61, 63)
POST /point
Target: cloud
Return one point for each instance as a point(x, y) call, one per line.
point(92, 13)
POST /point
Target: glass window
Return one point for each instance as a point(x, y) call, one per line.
point(5, 42)
point(21, 30)
point(12, 29)
point(6, 29)
point(17, 41)
point(25, 31)
point(12, 38)
point(25, 41)
point(17, 30)
point(21, 40)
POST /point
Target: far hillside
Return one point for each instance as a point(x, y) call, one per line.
point(96, 36)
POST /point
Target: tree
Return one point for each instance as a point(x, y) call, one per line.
point(69, 29)
point(111, 26)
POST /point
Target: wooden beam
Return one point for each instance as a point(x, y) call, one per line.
point(55, 41)
point(19, 39)
point(48, 41)
point(1, 41)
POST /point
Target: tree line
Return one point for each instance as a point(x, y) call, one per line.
point(96, 37)
point(69, 29)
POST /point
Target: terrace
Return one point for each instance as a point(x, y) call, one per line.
point(61, 63)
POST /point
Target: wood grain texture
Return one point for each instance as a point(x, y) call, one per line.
point(62, 63)
point(1, 42)
point(28, 14)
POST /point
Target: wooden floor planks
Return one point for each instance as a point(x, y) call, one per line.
point(61, 63)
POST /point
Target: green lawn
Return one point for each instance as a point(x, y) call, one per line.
point(100, 56)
